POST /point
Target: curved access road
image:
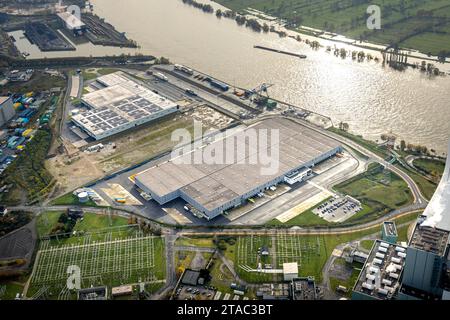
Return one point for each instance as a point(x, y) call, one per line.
point(256, 230)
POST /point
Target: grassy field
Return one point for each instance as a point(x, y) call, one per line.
point(8, 290)
point(310, 251)
point(369, 145)
point(348, 283)
point(366, 244)
point(113, 257)
point(421, 25)
point(403, 233)
point(46, 221)
point(379, 190)
point(427, 188)
point(432, 167)
point(197, 242)
point(89, 76)
point(92, 223)
point(70, 199)
point(39, 82)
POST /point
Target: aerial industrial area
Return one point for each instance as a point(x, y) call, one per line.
point(271, 201)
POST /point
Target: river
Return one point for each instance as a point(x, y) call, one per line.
point(371, 98)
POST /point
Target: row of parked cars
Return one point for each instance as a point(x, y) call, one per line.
point(334, 204)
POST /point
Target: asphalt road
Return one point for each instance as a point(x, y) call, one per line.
point(208, 231)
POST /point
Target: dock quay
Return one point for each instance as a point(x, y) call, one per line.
point(197, 84)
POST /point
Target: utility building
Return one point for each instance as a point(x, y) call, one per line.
point(290, 271)
point(72, 23)
point(380, 277)
point(427, 267)
point(389, 232)
point(6, 110)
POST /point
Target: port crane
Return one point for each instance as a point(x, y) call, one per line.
point(262, 88)
point(261, 93)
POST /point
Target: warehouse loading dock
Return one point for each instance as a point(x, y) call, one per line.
point(212, 189)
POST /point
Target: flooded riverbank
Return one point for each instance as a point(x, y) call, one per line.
point(372, 99)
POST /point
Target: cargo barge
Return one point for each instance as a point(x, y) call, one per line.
point(301, 56)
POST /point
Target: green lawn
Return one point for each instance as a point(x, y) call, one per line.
point(428, 42)
point(369, 145)
point(198, 242)
point(432, 167)
point(315, 251)
point(427, 188)
point(347, 283)
point(89, 76)
point(367, 244)
point(413, 24)
point(403, 233)
point(70, 199)
point(8, 290)
point(380, 192)
point(91, 222)
point(46, 221)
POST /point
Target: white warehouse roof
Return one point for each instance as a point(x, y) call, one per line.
point(290, 268)
point(71, 21)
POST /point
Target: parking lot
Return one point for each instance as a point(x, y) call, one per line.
point(338, 209)
point(194, 293)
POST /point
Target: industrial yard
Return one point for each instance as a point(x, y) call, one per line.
point(102, 145)
point(59, 31)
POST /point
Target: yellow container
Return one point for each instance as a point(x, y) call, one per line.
point(27, 133)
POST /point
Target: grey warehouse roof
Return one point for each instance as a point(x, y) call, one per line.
point(213, 185)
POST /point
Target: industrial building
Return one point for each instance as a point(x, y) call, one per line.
point(274, 291)
point(6, 110)
point(304, 289)
point(72, 23)
point(389, 232)
point(380, 277)
point(120, 104)
point(427, 267)
point(214, 188)
point(93, 293)
point(290, 271)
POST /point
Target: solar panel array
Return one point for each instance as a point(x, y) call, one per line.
point(121, 104)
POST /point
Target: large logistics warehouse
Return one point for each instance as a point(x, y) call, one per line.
point(120, 104)
point(214, 188)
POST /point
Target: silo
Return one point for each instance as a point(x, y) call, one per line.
point(83, 197)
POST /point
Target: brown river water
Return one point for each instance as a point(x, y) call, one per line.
point(371, 98)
